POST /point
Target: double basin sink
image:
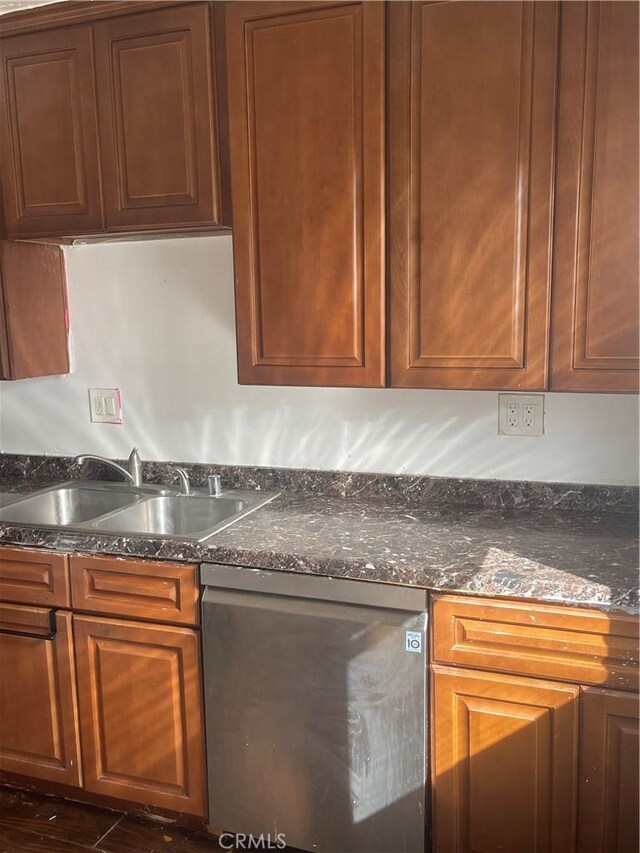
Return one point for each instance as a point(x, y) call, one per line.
point(89, 506)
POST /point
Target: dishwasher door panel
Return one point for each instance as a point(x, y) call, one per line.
point(316, 718)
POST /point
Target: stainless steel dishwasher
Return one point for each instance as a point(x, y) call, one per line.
point(315, 703)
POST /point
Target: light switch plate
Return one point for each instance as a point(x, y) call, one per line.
point(520, 414)
point(105, 405)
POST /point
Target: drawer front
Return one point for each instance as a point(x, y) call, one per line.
point(583, 646)
point(165, 592)
point(34, 577)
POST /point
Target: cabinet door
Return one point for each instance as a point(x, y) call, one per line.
point(49, 150)
point(608, 798)
point(34, 297)
point(471, 124)
point(504, 763)
point(157, 106)
point(595, 329)
point(38, 714)
point(141, 718)
point(306, 101)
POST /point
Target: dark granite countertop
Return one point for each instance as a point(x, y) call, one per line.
point(569, 557)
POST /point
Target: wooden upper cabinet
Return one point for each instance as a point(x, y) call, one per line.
point(306, 112)
point(608, 793)
point(504, 770)
point(156, 93)
point(34, 310)
point(595, 331)
point(471, 130)
point(48, 139)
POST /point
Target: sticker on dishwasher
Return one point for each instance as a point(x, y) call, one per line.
point(413, 641)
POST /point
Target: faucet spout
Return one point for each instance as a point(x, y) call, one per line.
point(134, 476)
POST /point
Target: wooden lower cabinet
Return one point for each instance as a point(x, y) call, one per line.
point(608, 798)
point(38, 718)
point(140, 713)
point(504, 763)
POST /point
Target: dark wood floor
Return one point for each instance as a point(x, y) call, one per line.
point(30, 823)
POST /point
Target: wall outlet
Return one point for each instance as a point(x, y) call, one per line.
point(520, 414)
point(105, 405)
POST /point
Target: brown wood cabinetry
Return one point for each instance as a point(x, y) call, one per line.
point(608, 802)
point(505, 763)
point(524, 764)
point(48, 134)
point(595, 328)
point(156, 96)
point(306, 112)
point(471, 124)
point(39, 733)
point(114, 125)
point(140, 712)
point(33, 314)
point(29, 576)
point(164, 592)
point(138, 705)
point(582, 646)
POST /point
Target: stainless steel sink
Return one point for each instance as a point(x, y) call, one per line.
point(180, 516)
point(65, 506)
point(9, 497)
point(118, 508)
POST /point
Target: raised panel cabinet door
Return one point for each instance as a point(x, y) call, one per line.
point(608, 812)
point(471, 137)
point(306, 113)
point(141, 720)
point(35, 307)
point(157, 106)
point(48, 139)
point(39, 733)
point(595, 327)
point(504, 763)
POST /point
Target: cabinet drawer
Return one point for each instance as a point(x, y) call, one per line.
point(34, 577)
point(165, 592)
point(584, 646)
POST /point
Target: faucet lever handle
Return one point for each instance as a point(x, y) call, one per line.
point(135, 466)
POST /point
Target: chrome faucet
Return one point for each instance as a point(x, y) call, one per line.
point(133, 475)
point(185, 484)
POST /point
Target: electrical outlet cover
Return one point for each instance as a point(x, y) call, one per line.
point(520, 414)
point(105, 405)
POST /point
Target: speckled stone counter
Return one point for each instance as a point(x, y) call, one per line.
point(573, 557)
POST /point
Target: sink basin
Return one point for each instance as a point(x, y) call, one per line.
point(150, 510)
point(180, 516)
point(9, 497)
point(64, 506)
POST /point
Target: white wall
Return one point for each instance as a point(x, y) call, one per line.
point(155, 318)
